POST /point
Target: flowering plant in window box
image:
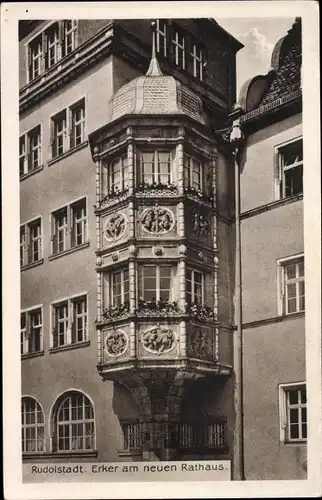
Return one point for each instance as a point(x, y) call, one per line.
point(155, 307)
point(154, 187)
point(200, 311)
point(117, 311)
point(198, 193)
point(114, 193)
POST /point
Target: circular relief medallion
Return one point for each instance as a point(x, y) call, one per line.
point(115, 226)
point(158, 340)
point(116, 343)
point(157, 220)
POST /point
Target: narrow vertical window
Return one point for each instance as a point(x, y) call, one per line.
point(293, 285)
point(79, 220)
point(291, 169)
point(194, 287)
point(32, 421)
point(179, 51)
point(35, 240)
point(192, 173)
point(23, 166)
point(161, 37)
point(120, 287)
point(118, 175)
point(77, 132)
point(79, 330)
point(293, 413)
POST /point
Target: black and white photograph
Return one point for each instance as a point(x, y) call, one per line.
point(164, 200)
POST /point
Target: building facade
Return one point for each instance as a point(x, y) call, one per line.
point(128, 247)
point(272, 251)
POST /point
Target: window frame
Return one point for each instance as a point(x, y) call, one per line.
point(188, 180)
point(69, 332)
point(164, 34)
point(279, 170)
point(284, 434)
point(67, 132)
point(193, 283)
point(26, 157)
point(120, 270)
point(282, 308)
point(69, 227)
point(26, 332)
point(26, 248)
point(61, 53)
point(37, 425)
point(56, 408)
point(177, 47)
point(157, 281)
point(156, 173)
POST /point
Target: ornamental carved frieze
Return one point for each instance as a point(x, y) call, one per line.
point(115, 226)
point(157, 220)
point(116, 343)
point(159, 340)
point(200, 343)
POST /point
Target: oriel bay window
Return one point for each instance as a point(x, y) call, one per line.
point(30, 151)
point(31, 334)
point(31, 242)
point(155, 167)
point(193, 171)
point(69, 227)
point(68, 128)
point(156, 283)
point(69, 318)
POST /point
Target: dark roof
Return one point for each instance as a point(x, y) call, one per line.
point(287, 78)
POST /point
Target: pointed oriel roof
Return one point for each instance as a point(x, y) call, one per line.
point(155, 94)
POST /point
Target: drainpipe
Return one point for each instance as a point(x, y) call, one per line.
point(236, 138)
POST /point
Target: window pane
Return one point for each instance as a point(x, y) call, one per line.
point(304, 431)
point(293, 397)
point(290, 271)
point(294, 431)
point(294, 415)
point(303, 396)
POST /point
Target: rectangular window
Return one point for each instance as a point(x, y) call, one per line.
point(35, 56)
point(290, 159)
point(70, 321)
point(120, 287)
point(68, 128)
point(194, 287)
point(197, 56)
point(31, 242)
point(155, 167)
point(215, 435)
point(179, 51)
point(161, 37)
point(155, 283)
point(293, 413)
point(292, 285)
point(57, 41)
point(192, 172)
point(69, 227)
point(30, 151)
point(118, 175)
point(31, 331)
point(53, 45)
point(131, 436)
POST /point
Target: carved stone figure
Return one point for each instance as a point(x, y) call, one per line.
point(116, 343)
point(200, 224)
point(158, 340)
point(157, 220)
point(115, 226)
point(200, 342)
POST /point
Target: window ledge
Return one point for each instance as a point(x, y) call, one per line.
point(28, 355)
point(291, 444)
point(67, 252)
point(68, 347)
point(67, 153)
point(33, 264)
point(60, 454)
point(32, 172)
point(125, 453)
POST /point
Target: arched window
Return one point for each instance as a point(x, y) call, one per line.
point(74, 423)
point(32, 420)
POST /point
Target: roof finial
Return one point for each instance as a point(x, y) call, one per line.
point(154, 68)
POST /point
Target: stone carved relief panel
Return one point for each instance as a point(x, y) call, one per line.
point(157, 221)
point(116, 343)
point(159, 340)
point(199, 224)
point(200, 342)
point(114, 226)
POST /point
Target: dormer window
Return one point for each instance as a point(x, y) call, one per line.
point(179, 51)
